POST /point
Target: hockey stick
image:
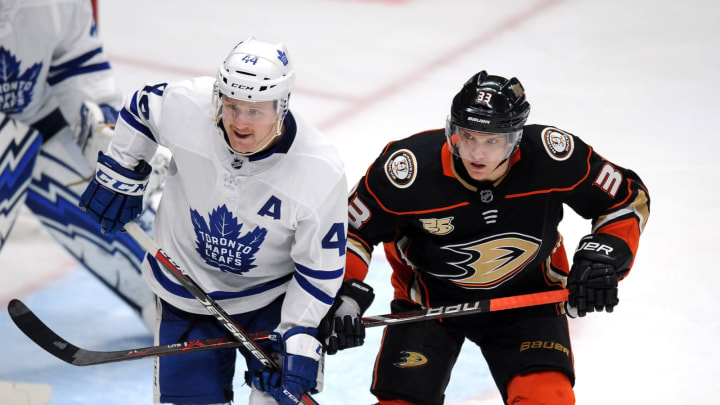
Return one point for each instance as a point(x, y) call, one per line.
point(44, 337)
point(247, 345)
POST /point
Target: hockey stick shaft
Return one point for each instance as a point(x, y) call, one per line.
point(469, 308)
point(210, 305)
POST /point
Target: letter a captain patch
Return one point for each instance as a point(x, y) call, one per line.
point(271, 208)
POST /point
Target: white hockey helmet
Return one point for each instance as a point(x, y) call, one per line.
point(256, 71)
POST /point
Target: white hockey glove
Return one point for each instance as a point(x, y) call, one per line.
point(342, 327)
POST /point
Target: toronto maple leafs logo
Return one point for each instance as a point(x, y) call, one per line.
point(282, 57)
point(16, 89)
point(220, 243)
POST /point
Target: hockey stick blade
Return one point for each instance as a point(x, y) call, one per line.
point(39, 333)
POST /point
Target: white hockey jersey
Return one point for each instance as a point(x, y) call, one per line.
point(61, 70)
point(246, 229)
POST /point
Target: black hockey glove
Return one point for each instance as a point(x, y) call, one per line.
point(599, 262)
point(342, 327)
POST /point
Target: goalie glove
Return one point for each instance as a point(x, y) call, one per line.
point(342, 327)
point(600, 261)
point(114, 196)
point(97, 124)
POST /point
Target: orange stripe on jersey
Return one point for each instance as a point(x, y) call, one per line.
point(446, 158)
point(402, 273)
point(515, 157)
point(550, 190)
point(387, 147)
point(629, 194)
point(626, 230)
point(377, 359)
point(355, 267)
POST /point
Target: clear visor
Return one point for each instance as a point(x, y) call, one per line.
point(250, 112)
point(478, 146)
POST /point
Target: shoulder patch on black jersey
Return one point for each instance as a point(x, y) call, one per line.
point(558, 144)
point(401, 168)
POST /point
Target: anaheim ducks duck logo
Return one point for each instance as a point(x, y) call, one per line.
point(411, 359)
point(492, 261)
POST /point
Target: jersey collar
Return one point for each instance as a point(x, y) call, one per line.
point(258, 162)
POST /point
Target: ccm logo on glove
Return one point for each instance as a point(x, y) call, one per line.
point(120, 183)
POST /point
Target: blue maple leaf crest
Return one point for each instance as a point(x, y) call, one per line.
point(220, 243)
point(16, 90)
point(282, 56)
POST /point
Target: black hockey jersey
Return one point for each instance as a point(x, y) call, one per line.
point(451, 239)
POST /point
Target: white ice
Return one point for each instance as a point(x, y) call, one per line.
point(636, 79)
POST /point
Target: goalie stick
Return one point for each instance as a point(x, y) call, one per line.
point(44, 337)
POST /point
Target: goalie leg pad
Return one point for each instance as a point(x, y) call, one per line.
point(59, 177)
point(19, 148)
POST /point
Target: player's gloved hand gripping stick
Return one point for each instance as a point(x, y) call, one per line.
point(248, 346)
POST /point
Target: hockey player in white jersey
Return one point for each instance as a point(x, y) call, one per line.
point(52, 64)
point(254, 209)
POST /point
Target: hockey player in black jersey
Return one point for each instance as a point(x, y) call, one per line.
point(472, 213)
